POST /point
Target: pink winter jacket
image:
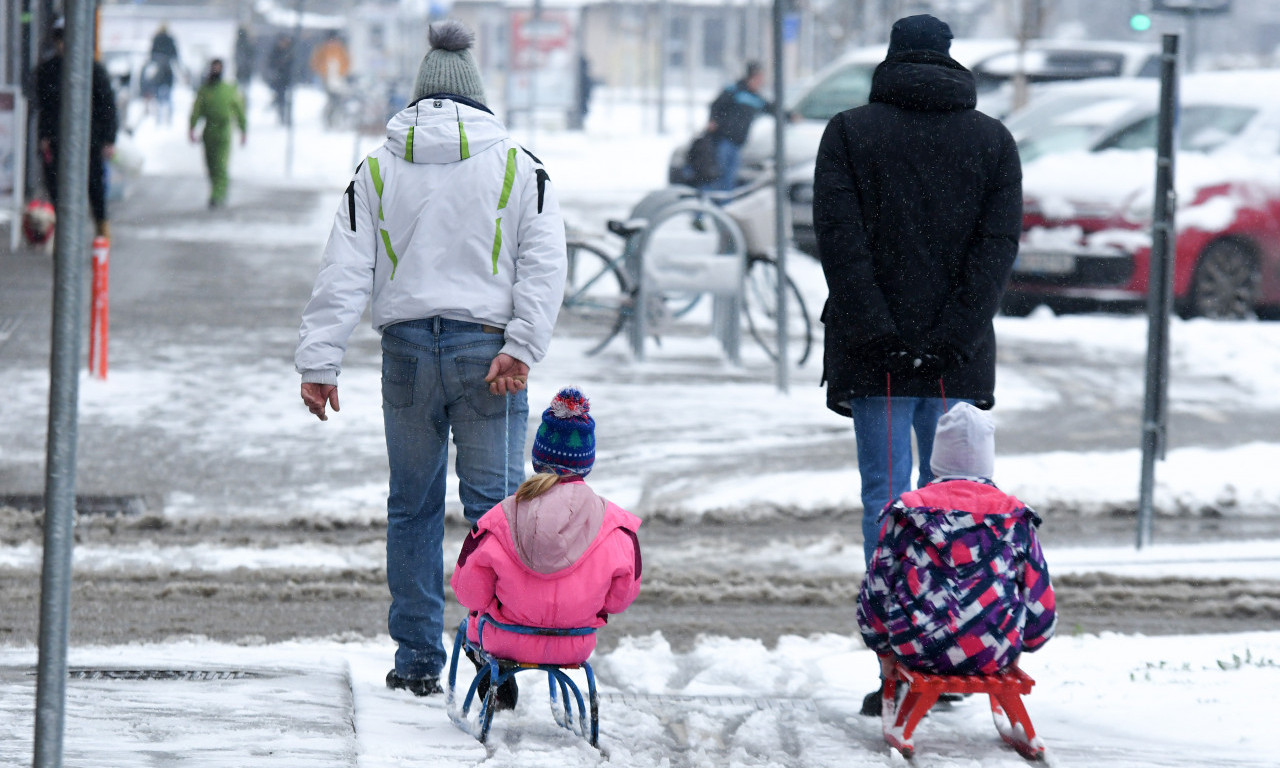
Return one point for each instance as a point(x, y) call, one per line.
point(564, 560)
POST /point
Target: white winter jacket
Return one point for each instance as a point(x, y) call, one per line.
point(449, 218)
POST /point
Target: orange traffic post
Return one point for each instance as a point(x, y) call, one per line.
point(99, 321)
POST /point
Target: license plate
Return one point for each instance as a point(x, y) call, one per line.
point(1045, 262)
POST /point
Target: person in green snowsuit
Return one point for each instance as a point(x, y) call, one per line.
point(218, 103)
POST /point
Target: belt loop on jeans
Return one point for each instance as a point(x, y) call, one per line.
point(437, 324)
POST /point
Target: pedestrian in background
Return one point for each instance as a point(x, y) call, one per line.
point(246, 54)
point(918, 211)
point(219, 104)
point(331, 64)
point(455, 232)
point(280, 64)
point(103, 125)
point(732, 113)
point(161, 71)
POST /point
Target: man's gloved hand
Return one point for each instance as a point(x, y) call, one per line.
point(939, 357)
point(892, 353)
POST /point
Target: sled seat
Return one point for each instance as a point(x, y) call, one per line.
point(1006, 688)
point(499, 670)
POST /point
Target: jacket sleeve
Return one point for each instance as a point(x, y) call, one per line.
point(1037, 595)
point(625, 586)
point(473, 581)
point(541, 267)
point(876, 592)
point(990, 256)
point(842, 246)
point(342, 288)
point(103, 106)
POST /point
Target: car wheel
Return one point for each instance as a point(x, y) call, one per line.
point(1225, 284)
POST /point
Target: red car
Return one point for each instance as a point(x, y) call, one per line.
point(1087, 215)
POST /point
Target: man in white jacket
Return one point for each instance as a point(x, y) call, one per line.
point(455, 233)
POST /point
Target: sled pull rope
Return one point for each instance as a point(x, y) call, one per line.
point(888, 410)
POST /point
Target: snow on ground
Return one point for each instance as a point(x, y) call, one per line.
point(1101, 700)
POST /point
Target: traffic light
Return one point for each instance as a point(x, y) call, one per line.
point(1140, 22)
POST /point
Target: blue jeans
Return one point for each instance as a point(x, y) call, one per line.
point(729, 158)
point(871, 432)
point(433, 383)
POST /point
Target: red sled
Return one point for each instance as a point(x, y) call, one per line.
point(1006, 689)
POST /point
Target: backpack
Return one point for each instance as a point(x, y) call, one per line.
point(701, 162)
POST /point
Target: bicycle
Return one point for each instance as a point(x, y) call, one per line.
point(604, 288)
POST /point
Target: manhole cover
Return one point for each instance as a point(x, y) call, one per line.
point(164, 674)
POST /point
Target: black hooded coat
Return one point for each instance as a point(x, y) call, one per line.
point(918, 212)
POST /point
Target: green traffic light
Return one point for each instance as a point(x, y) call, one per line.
point(1140, 22)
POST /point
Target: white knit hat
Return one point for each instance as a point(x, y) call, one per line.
point(965, 443)
point(449, 67)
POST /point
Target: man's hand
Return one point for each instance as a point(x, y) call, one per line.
point(108, 151)
point(507, 375)
point(316, 395)
point(191, 134)
point(244, 138)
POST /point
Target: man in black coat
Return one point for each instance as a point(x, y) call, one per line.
point(103, 125)
point(918, 211)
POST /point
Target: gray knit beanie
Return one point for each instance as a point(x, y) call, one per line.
point(965, 443)
point(449, 67)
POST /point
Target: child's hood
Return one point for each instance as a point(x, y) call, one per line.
point(954, 515)
point(553, 531)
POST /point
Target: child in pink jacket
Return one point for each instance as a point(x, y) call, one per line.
point(554, 555)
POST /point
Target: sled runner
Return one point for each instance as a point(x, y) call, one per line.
point(899, 717)
point(498, 671)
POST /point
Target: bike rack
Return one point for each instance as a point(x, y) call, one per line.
point(719, 274)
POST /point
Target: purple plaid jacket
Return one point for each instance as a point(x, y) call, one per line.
point(958, 584)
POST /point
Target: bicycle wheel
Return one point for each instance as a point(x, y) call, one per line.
point(597, 295)
point(760, 305)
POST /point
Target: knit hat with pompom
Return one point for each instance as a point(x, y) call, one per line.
point(566, 440)
point(449, 67)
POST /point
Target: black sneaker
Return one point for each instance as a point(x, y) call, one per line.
point(508, 692)
point(418, 686)
point(871, 703)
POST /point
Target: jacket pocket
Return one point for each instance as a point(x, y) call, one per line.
point(398, 377)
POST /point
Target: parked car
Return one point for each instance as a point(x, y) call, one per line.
point(1087, 214)
point(847, 83)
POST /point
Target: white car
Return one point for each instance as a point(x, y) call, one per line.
point(846, 83)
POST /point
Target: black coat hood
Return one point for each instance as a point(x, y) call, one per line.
point(924, 81)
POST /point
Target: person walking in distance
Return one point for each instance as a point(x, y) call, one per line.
point(454, 231)
point(918, 211)
point(162, 69)
point(219, 104)
point(280, 64)
point(103, 125)
point(732, 113)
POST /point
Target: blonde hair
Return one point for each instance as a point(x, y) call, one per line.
point(537, 485)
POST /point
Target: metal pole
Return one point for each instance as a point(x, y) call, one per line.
point(288, 96)
point(780, 209)
point(664, 22)
point(60, 468)
point(1159, 290)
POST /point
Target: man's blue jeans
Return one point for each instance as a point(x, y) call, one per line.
point(433, 383)
point(871, 432)
point(729, 158)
